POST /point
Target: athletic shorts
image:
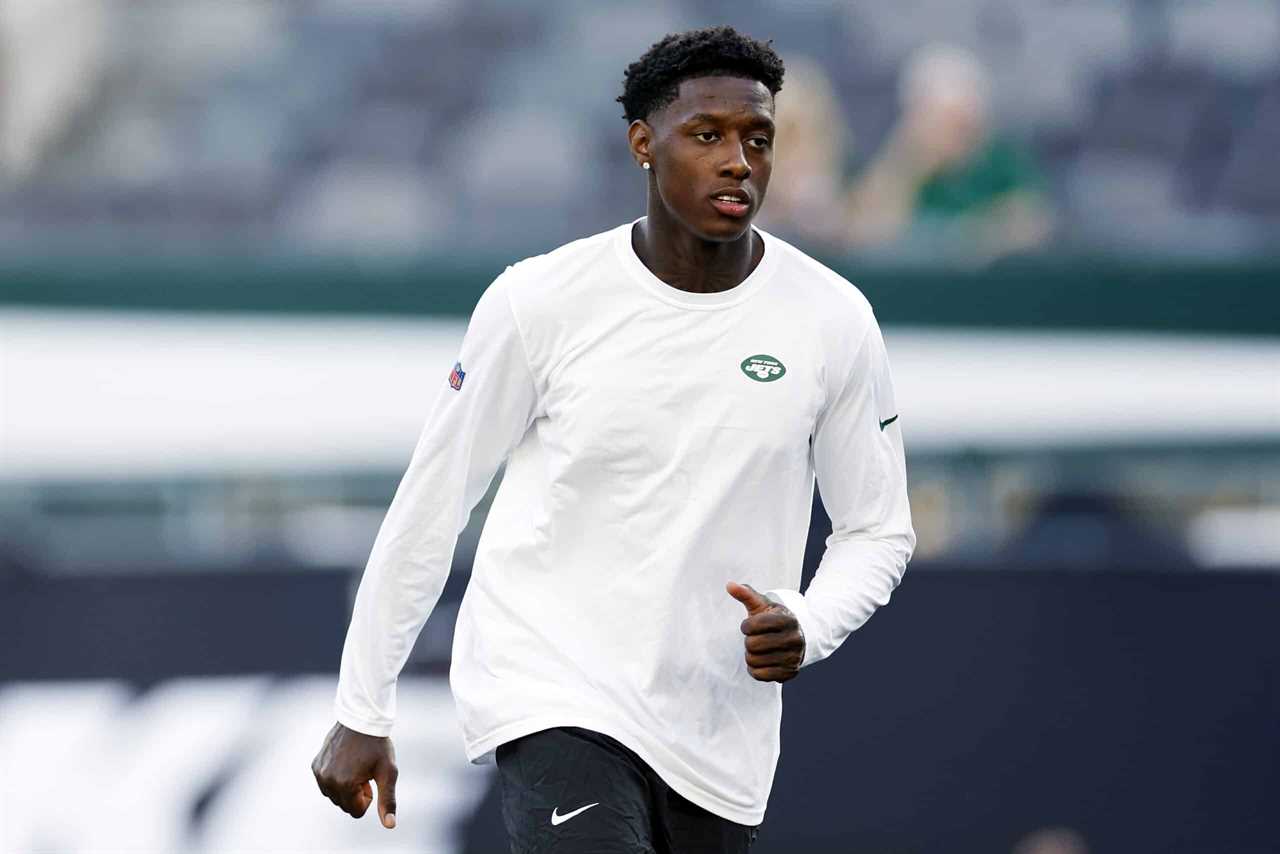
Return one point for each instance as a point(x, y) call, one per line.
point(570, 790)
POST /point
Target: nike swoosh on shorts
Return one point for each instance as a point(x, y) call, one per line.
point(559, 819)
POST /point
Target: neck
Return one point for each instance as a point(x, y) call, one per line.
point(686, 261)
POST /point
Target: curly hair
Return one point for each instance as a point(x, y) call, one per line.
point(652, 81)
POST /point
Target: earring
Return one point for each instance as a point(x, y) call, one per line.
point(644, 165)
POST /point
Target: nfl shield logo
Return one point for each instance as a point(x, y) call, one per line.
point(456, 376)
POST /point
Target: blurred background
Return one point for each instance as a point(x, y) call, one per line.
point(238, 246)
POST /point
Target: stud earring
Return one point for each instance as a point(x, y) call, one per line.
point(644, 165)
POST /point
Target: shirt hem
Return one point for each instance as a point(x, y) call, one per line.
point(481, 751)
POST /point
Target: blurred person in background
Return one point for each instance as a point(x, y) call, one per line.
point(663, 394)
point(51, 64)
point(807, 193)
point(1052, 840)
point(946, 170)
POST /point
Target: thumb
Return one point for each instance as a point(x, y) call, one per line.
point(747, 595)
point(386, 780)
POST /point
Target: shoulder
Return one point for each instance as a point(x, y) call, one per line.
point(553, 294)
point(545, 276)
point(830, 294)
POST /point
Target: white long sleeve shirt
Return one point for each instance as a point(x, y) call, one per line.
point(659, 443)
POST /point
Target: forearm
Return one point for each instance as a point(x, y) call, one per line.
point(856, 576)
point(402, 582)
point(391, 607)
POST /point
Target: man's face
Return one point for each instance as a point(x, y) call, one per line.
point(711, 152)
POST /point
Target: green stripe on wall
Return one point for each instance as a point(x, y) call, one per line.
point(1219, 298)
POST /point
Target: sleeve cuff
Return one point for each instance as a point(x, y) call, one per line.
point(795, 602)
point(360, 725)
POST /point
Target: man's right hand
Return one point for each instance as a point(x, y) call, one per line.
point(347, 761)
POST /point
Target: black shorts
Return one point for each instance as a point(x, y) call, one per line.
point(568, 790)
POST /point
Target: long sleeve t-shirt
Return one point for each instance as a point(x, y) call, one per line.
point(658, 444)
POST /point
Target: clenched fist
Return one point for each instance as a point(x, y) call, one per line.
point(774, 642)
point(347, 761)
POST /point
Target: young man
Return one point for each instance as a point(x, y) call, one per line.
point(663, 394)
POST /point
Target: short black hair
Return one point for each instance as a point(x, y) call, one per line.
point(653, 81)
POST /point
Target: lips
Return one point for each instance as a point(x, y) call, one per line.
point(731, 202)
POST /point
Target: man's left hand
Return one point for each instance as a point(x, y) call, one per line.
point(774, 642)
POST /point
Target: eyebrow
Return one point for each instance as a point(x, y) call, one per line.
point(759, 121)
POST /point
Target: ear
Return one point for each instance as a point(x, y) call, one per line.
point(640, 138)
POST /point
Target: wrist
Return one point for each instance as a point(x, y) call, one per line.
point(795, 602)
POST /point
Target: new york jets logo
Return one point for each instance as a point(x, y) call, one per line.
point(763, 368)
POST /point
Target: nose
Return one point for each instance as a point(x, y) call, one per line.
point(736, 167)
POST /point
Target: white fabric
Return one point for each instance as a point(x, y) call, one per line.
point(645, 469)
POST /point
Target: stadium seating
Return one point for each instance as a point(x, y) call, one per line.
point(229, 128)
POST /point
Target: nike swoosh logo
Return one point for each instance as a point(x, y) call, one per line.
point(560, 819)
point(884, 424)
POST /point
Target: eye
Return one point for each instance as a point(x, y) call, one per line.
point(707, 136)
point(760, 141)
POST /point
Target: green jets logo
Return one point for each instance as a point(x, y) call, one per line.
point(763, 368)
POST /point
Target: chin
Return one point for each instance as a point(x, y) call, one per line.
point(724, 229)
